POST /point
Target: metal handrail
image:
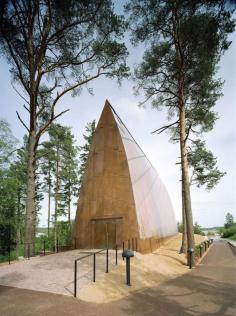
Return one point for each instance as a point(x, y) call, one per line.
point(94, 266)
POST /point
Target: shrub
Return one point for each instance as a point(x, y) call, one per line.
point(228, 232)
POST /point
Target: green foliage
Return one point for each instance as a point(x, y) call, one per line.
point(84, 37)
point(64, 230)
point(233, 237)
point(54, 48)
point(203, 163)
point(184, 41)
point(60, 166)
point(85, 149)
point(180, 227)
point(12, 189)
point(229, 220)
point(8, 143)
point(229, 232)
point(210, 233)
point(198, 229)
point(202, 30)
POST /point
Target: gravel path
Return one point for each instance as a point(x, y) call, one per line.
point(53, 273)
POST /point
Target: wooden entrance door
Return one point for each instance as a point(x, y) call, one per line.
point(104, 234)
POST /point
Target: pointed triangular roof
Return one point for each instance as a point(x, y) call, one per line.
point(153, 205)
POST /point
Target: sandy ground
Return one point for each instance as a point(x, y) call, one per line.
point(147, 271)
point(55, 273)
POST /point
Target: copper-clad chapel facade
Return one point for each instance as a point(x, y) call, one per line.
point(122, 197)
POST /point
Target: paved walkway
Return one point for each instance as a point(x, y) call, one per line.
point(209, 289)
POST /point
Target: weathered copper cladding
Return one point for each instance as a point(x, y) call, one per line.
point(106, 212)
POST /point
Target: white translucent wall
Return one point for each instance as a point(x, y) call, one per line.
point(154, 209)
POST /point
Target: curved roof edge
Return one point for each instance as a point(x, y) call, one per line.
point(154, 209)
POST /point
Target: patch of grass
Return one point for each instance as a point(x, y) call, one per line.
point(233, 237)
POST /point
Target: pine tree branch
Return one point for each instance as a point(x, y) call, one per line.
point(163, 128)
point(22, 121)
point(44, 128)
point(20, 94)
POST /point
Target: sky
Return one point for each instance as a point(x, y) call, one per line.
point(209, 208)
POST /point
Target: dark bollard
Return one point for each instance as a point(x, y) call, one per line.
point(94, 267)
point(28, 250)
point(129, 243)
point(44, 247)
point(200, 247)
point(132, 243)
point(9, 254)
point(205, 243)
point(107, 261)
point(123, 249)
point(203, 249)
point(190, 254)
point(116, 254)
point(75, 279)
point(9, 245)
point(128, 254)
point(128, 271)
point(136, 244)
point(75, 242)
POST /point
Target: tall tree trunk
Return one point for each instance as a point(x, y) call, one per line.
point(56, 201)
point(30, 199)
point(182, 133)
point(183, 248)
point(18, 228)
point(49, 199)
point(69, 205)
point(185, 178)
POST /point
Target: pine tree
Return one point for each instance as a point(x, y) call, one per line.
point(229, 220)
point(204, 166)
point(56, 47)
point(184, 41)
point(85, 149)
point(60, 169)
point(12, 189)
point(47, 168)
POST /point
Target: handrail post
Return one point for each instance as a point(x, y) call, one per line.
point(9, 245)
point(94, 267)
point(107, 261)
point(116, 254)
point(75, 279)
point(28, 251)
point(44, 247)
point(9, 253)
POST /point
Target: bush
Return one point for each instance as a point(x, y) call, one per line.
point(198, 229)
point(229, 232)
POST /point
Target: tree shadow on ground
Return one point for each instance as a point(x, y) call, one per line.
point(186, 295)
